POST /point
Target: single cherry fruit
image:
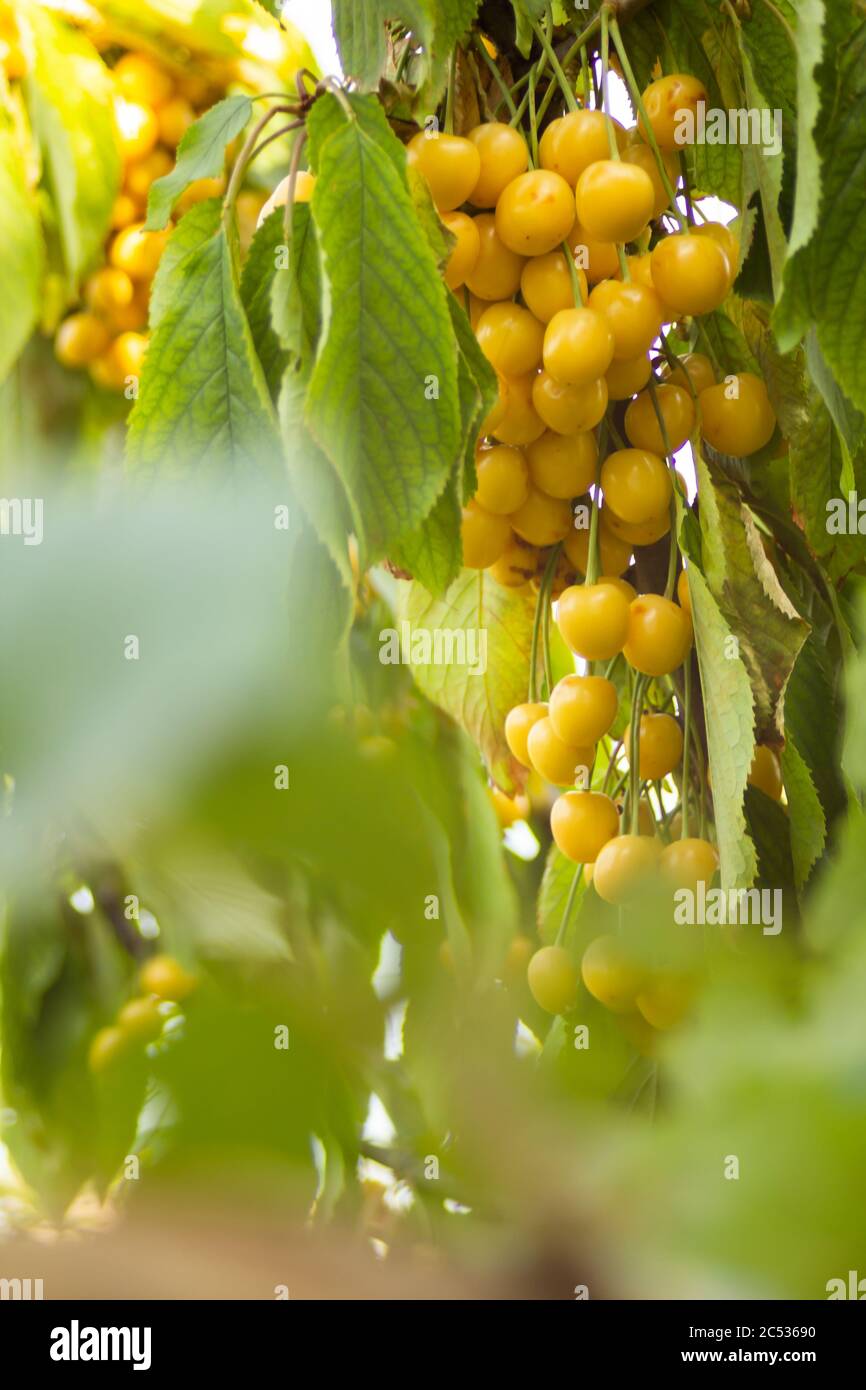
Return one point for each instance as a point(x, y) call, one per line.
point(686, 863)
point(511, 338)
point(496, 273)
point(450, 164)
point(594, 620)
point(581, 823)
point(766, 773)
point(636, 484)
point(504, 156)
point(625, 867)
point(671, 105)
point(502, 476)
point(563, 764)
point(578, 346)
point(164, 976)
point(659, 635)
point(484, 536)
point(569, 410)
point(614, 200)
point(553, 980)
point(561, 465)
point(660, 746)
point(690, 273)
point(518, 723)
point(677, 410)
point(611, 975)
point(582, 708)
point(542, 520)
point(634, 313)
point(736, 416)
point(535, 213)
point(466, 250)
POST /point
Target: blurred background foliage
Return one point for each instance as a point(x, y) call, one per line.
point(307, 908)
point(305, 830)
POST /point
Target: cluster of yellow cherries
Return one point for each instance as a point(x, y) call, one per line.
point(162, 980)
point(153, 108)
point(567, 316)
point(567, 320)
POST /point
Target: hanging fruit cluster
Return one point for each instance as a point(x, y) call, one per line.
point(154, 104)
point(163, 982)
point(153, 108)
point(575, 247)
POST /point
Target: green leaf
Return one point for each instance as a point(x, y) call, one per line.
point(314, 481)
point(69, 95)
point(200, 155)
point(769, 828)
point(203, 395)
point(727, 339)
point(257, 282)
point(814, 721)
point(478, 389)
point(849, 422)
point(730, 722)
point(763, 171)
point(296, 290)
point(821, 283)
point(436, 25)
point(382, 400)
point(807, 51)
point(807, 823)
point(557, 882)
point(817, 459)
point(485, 621)
point(741, 579)
point(22, 261)
point(433, 553)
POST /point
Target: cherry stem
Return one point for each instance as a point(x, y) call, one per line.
point(449, 98)
point(550, 52)
point(648, 131)
point(243, 159)
point(277, 135)
point(572, 894)
point(674, 549)
point(544, 608)
point(575, 278)
point(687, 719)
point(288, 214)
point(674, 361)
point(634, 754)
point(533, 118)
point(710, 350)
point(592, 559)
point(687, 192)
point(497, 77)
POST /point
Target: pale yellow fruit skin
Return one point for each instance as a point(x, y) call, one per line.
point(304, 186)
point(553, 980)
point(610, 976)
point(617, 885)
point(765, 772)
